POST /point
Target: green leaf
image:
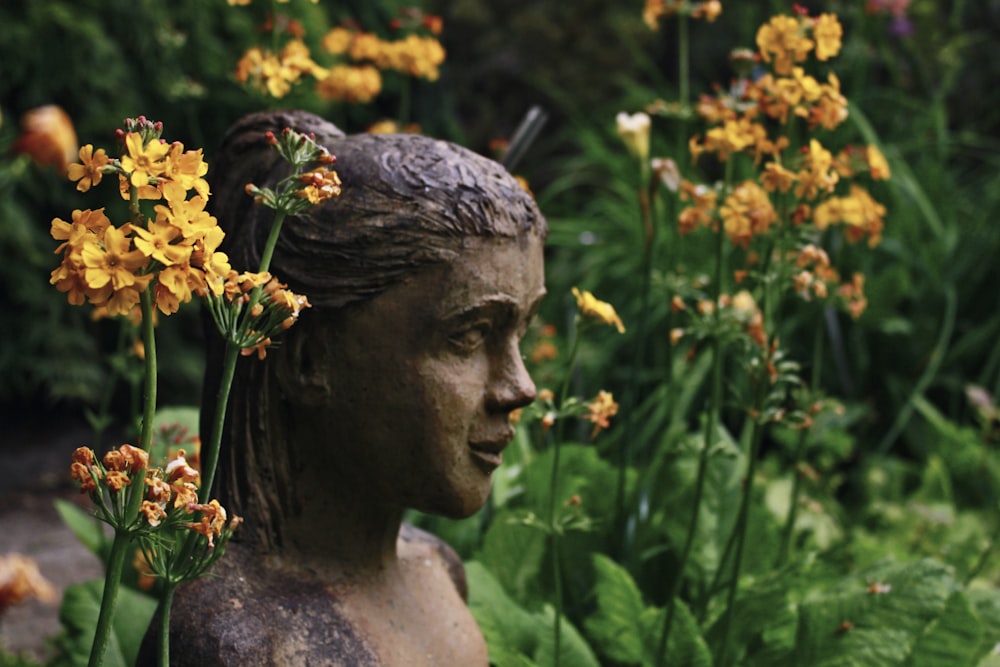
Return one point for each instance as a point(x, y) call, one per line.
point(856, 625)
point(78, 613)
point(513, 553)
point(951, 641)
point(685, 648)
point(515, 636)
point(88, 529)
point(614, 626)
point(573, 650)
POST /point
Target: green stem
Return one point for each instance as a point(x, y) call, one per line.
point(711, 425)
point(788, 531)
point(164, 614)
point(937, 356)
point(741, 530)
point(639, 346)
point(210, 457)
point(210, 454)
point(123, 539)
point(109, 600)
point(684, 62)
point(553, 482)
point(554, 549)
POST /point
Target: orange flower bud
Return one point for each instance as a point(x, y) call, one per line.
point(48, 136)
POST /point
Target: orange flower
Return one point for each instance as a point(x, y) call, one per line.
point(601, 410)
point(20, 580)
point(89, 171)
point(48, 136)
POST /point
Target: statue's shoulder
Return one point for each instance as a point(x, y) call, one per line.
point(245, 614)
point(416, 543)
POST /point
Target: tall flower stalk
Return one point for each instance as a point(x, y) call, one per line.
point(155, 262)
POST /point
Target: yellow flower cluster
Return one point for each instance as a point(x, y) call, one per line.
point(115, 470)
point(657, 9)
point(414, 55)
point(274, 74)
point(362, 57)
point(110, 266)
point(789, 39)
point(737, 124)
point(746, 212)
point(277, 310)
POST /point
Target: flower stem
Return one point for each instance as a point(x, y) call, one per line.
point(740, 530)
point(123, 538)
point(210, 456)
point(164, 636)
point(638, 348)
point(109, 599)
point(788, 531)
point(553, 482)
point(711, 425)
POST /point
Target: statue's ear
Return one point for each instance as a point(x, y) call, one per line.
point(304, 366)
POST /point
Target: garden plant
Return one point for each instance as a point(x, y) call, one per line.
point(766, 427)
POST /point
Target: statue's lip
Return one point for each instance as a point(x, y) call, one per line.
point(493, 444)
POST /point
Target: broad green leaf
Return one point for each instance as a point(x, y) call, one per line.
point(952, 640)
point(986, 603)
point(873, 618)
point(573, 650)
point(614, 626)
point(515, 636)
point(513, 553)
point(685, 648)
point(78, 613)
point(87, 528)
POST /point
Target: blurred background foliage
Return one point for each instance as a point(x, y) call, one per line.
point(926, 95)
point(910, 466)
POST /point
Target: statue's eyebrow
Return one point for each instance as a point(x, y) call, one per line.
point(498, 306)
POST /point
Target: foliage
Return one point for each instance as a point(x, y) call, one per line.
point(866, 539)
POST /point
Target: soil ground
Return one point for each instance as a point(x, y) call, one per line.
point(34, 471)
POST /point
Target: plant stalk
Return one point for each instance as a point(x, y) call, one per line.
point(711, 425)
point(123, 538)
point(164, 614)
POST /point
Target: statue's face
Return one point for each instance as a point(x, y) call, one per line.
point(425, 376)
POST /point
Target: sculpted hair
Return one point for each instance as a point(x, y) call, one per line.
point(408, 201)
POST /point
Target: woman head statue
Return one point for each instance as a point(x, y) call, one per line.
point(394, 390)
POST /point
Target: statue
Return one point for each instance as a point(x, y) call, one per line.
point(392, 392)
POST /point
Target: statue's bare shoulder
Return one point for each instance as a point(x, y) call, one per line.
point(415, 543)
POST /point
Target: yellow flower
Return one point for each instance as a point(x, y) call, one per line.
point(597, 310)
point(143, 161)
point(827, 33)
point(747, 212)
point(185, 171)
point(878, 166)
point(600, 411)
point(213, 520)
point(320, 184)
point(88, 171)
point(338, 41)
point(350, 83)
point(817, 174)
point(707, 10)
point(157, 243)
point(152, 512)
point(782, 40)
point(634, 131)
point(113, 261)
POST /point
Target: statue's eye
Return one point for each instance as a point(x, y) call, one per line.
point(470, 338)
